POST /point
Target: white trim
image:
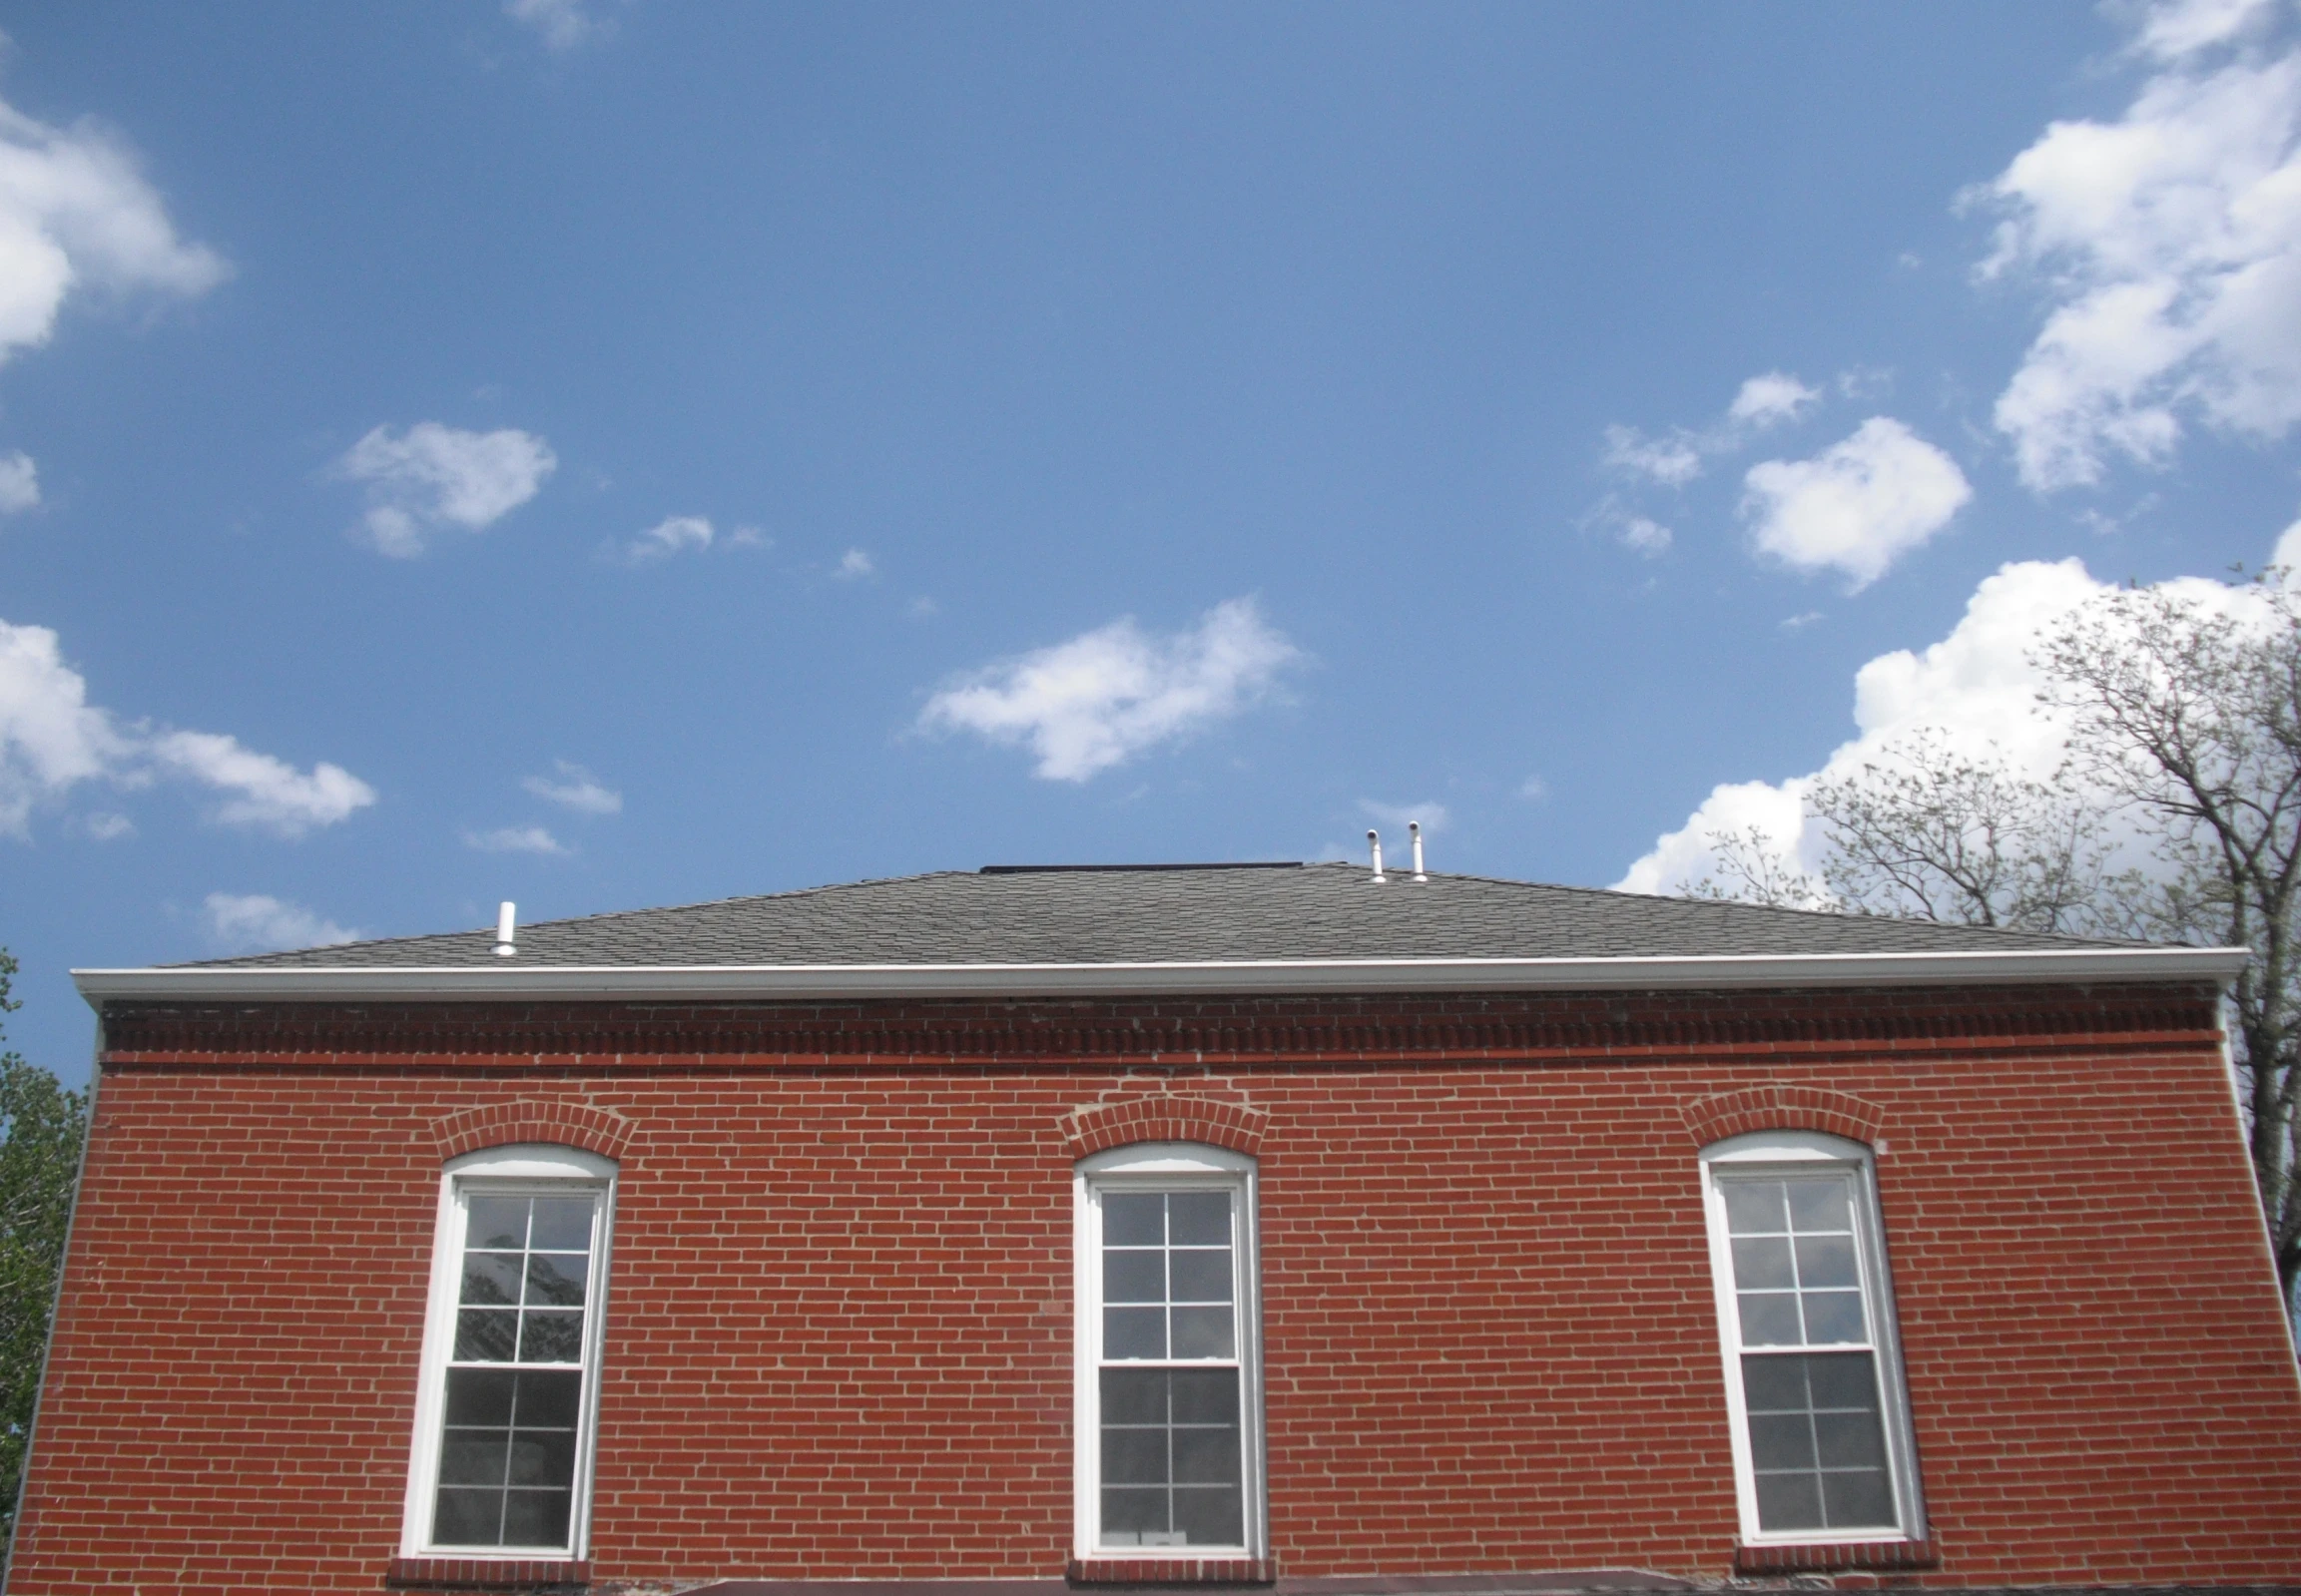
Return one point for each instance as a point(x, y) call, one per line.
point(538, 1166)
point(490, 981)
point(1792, 1153)
point(1164, 1166)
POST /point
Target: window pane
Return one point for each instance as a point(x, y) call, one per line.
point(1788, 1502)
point(1134, 1332)
point(497, 1222)
point(1753, 1208)
point(1199, 1219)
point(543, 1457)
point(1763, 1263)
point(1823, 1261)
point(1850, 1441)
point(1769, 1319)
point(1782, 1441)
point(480, 1459)
point(562, 1224)
point(1133, 1219)
point(1206, 1456)
point(479, 1396)
point(491, 1278)
point(1857, 1500)
point(1206, 1395)
point(1819, 1205)
point(549, 1400)
point(555, 1279)
point(1134, 1456)
point(1201, 1276)
point(1203, 1333)
point(1134, 1397)
point(1845, 1382)
point(1210, 1517)
point(467, 1518)
point(1134, 1277)
point(550, 1337)
point(1833, 1317)
point(486, 1334)
point(536, 1518)
point(1127, 1513)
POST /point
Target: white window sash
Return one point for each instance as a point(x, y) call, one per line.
point(1790, 1154)
point(1165, 1167)
point(540, 1170)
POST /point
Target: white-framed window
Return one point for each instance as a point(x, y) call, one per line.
point(1821, 1417)
point(508, 1404)
point(1169, 1374)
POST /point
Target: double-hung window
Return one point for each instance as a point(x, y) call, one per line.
point(1814, 1389)
point(505, 1411)
point(1169, 1396)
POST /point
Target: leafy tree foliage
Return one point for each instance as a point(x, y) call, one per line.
point(40, 1141)
point(2176, 817)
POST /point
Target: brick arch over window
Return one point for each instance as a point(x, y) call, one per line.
point(1783, 1108)
point(1162, 1117)
point(577, 1125)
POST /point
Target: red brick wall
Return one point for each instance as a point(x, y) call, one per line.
point(838, 1335)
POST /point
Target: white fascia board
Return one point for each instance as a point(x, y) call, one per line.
point(723, 982)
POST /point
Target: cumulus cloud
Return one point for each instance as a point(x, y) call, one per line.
point(432, 478)
point(515, 839)
point(1770, 398)
point(576, 788)
point(255, 922)
point(563, 24)
point(1856, 507)
point(1103, 696)
point(77, 214)
point(2168, 247)
point(1976, 687)
point(854, 563)
point(1678, 456)
point(668, 537)
point(52, 739)
point(19, 483)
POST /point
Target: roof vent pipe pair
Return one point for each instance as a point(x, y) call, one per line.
point(506, 928)
point(1374, 841)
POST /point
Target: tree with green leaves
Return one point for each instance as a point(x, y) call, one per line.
point(42, 1127)
point(2175, 816)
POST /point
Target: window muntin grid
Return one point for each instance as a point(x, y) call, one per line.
point(1170, 1438)
point(1822, 1427)
point(511, 1411)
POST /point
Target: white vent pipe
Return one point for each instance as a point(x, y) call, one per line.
point(1415, 829)
point(1374, 841)
point(506, 931)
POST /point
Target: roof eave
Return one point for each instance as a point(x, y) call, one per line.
point(496, 982)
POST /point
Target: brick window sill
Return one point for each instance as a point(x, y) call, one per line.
point(1831, 1559)
point(487, 1573)
point(1173, 1572)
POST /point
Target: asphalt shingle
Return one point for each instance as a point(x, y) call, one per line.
point(1167, 914)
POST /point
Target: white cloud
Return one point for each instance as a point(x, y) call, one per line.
point(1533, 786)
point(2168, 244)
point(1108, 695)
point(258, 923)
point(1682, 454)
point(514, 840)
point(104, 827)
point(76, 213)
point(19, 483)
point(1432, 815)
point(1672, 461)
point(433, 477)
point(1770, 398)
point(53, 740)
point(1976, 687)
point(1859, 505)
point(1650, 538)
point(668, 537)
point(564, 24)
point(854, 563)
point(268, 794)
point(576, 788)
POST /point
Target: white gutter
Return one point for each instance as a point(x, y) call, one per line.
point(494, 982)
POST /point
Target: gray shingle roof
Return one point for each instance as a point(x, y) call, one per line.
point(1163, 914)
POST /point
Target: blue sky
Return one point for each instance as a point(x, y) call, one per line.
point(604, 453)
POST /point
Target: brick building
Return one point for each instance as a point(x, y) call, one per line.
point(1218, 1225)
